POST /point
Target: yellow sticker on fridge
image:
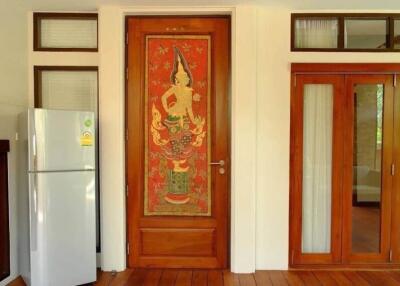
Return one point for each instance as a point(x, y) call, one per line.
point(86, 139)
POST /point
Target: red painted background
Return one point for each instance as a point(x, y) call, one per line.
point(160, 62)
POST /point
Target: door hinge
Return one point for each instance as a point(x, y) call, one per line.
point(292, 258)
point(392, 169)
point(127, 73)
point(127, 249)
point(390, 256)
point(127, 38)
point(127, 190)
point(126, 135)
point(395, 80)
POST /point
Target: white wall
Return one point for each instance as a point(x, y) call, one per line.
point(13, 100)
point(273, 91)
point(112, 159)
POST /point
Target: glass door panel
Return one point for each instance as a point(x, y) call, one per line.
point(315, 169)
point(367, 167)
point(367, 187)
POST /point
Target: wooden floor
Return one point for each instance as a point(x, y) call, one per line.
point(275, 278)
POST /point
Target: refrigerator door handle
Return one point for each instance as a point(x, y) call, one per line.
point(34, 151)
point(34, 213)
point(34, 144)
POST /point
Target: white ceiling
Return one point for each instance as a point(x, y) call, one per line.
point(89, 5)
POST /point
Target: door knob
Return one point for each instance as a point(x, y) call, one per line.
point(221, 164)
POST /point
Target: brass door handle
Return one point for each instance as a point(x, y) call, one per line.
point(220, 163)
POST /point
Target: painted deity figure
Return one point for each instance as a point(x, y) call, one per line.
point(185, 130)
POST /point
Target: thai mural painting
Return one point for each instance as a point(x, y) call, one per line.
point(177, 126)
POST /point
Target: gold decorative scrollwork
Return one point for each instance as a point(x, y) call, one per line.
point(155, 126)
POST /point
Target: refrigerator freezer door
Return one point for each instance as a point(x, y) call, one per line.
point(61, 140)
point(63, 235)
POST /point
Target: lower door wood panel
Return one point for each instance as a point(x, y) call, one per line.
point(177, 150)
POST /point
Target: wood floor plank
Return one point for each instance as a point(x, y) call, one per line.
point(325, 278)
point(308, 278)
point(277, 278)
point(215, 278)
point(355, 278)
point(378, 278)
point(230, 279)
point(171, 277)
point(168, 277)
point(199, 278)
point(17, 282)
point(152, 277)
point(394, 274)
point(340, 278)
point(293, 278)
point(262, 278)
point(184, 278)
point(137, 277)
point(121, 278)
point(247, 280)
point(103, 278)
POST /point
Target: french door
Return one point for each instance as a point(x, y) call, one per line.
point(343, 179)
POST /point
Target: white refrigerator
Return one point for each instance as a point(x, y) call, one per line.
point(60, 198)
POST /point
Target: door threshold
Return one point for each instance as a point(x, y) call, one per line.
point(341, 267)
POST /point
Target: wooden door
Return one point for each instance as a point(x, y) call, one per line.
point(4, 217)
point(395, 237)
point(177, 149)
point(367, 183)
point(322, 94)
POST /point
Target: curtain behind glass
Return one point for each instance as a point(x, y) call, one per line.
point(316, 33)
point(57, 33)
point(317, 168)
point(69, 90)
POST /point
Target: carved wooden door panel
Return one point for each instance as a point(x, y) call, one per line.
point(177, 150)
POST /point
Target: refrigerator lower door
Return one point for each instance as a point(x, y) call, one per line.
point(62, 228)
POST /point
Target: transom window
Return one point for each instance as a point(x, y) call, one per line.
point(345, 32)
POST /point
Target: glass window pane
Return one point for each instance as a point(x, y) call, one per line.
point(317, 168)
point(397, 34)
point(365, 34)
point(60, 33)
point(316, 33)
point(367, 158)
point(69, 90)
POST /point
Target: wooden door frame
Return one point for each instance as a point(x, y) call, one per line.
point(4, 149)
point(343, 69)
point(229, 123)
